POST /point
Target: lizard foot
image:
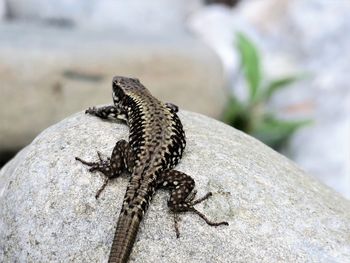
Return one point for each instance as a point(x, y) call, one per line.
point(188, 206)
point(102, 166)
point(182, 195)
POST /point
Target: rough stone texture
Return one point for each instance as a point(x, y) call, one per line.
point(47, 73)
point(276, 213)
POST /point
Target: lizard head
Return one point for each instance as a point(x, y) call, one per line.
point(124, 86)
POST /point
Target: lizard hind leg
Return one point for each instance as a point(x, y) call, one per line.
point(121, 160)
point(182, 196)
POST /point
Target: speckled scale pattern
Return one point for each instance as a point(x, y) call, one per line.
point(156, 144)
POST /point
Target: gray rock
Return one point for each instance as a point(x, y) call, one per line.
point(276, 213)
point(48, 73)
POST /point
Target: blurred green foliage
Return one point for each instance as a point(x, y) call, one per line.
point(251, 115)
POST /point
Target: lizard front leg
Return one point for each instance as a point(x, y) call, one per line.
point(182, 196)
point(122, 159)
point(107, 112)
point(172, 107)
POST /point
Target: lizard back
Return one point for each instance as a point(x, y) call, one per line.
point(157, 141)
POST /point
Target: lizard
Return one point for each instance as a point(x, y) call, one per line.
point(156, 144)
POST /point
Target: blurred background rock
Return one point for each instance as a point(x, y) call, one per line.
point(58, 57)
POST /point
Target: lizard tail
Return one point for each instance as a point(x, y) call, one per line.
point(124, 237)
point(135, 204)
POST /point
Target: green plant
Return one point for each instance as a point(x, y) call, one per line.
point(251, 115)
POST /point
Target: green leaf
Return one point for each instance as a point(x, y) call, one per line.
point(236, 115)
point(250, 62)
point(233, 107)
point(275, 133)
point(278, 84)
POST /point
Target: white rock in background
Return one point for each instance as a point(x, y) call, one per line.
point(307, 37)
point(2, 10)
point(318, 37)
point(132, 15)
point(208, 24)
point(326, 158)
point(141, 16)
point(217, 25)
point(73, 11)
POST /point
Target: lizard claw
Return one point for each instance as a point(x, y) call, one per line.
point(99, 154)
point(102, 166)
point(91, 110)
point(189, 206)
point(84, 162)
point(93, 165)
point(192, 203)
point(209, 222)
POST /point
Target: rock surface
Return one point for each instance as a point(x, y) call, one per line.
point(48, 73)
point(276, 213)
